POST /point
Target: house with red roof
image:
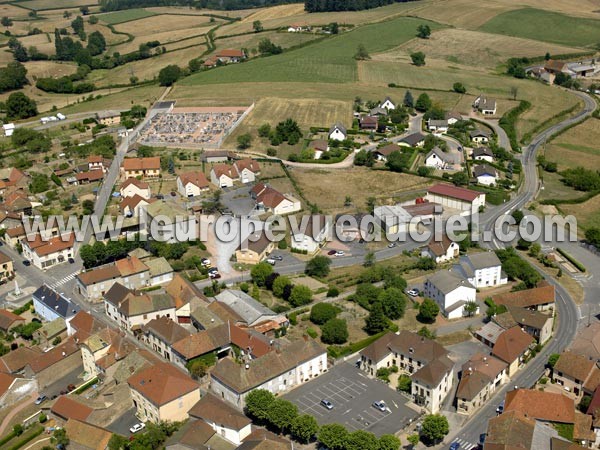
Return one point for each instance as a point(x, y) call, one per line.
point(465, 201)
point(45, 253)
point(223, 175)
point(192, 184)
point(133, 186)
point(230, 55)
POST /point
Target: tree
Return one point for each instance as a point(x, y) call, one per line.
point(434, 428)
point(244, 141)
point(393, 302)
point(258, 403)
point(169, 75)
point(376, 321)
point(389, 442)
point(322, 312)
point(18, 429)
point(93, 20)
point(60, 437)
point(77, 25)
point(366, 294)
point(361, 53)
point(428, 311)
point(369, 259)
point(266, 47)
point(264, 130)
point(6, 22)
point(518, 215)
point(423, 31)
point(318, 266)
point(364, 158)
point(279, 285)
point(460, 179)
point(426, 333)
point(459, 88)
point(333, 436)
point(300, 295)
point(413, 439)
point(116, 442)
point(418, 58)
point(471, 308)
point(408, 101)
point(260, 272)
point(304, 428)
point(334, 28)
point(553, 359)
point(96, 43)
point(334, 331)
point(592, 236)
point(547, 56)
point(423, 103)
point(281, 414)
point(398, 161)
point(361, 440)
point(404, 383)
point(19, 106)
point(257, 26)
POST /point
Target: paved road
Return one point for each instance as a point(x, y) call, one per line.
point(568, 313)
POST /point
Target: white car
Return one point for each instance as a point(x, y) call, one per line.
point(137, 427)
point(413, 292)
point(205, 262)
point(340, 253)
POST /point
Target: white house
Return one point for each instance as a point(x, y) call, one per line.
point(413, 140)
point(247, 170)
point(480, 136)
point(227, 422)
point(388, 104)
point(485, 174)
point(311, 233)
point(132, 206)
point(9, 129)
point(441, 250)
point(51, 305)
point(437, 125)
point(277, 372)
point(483, 154)
point(453, 117)
point(450, 291)
point(438, 159)
point(485, 105)
point(481, 269)
point(270, 200)
point(192, 184)
point(133, 186)
point(338, 132)
point(449, 196)
point(45, 253)
point(393, 220)
point(223, 175)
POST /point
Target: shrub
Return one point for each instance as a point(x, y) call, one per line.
point(322, 312)
point(312, 333)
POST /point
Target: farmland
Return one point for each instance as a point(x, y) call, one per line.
point(114, 18)
point(546, 26)
point(587, 213)
point(41, 5)
point(576, 147)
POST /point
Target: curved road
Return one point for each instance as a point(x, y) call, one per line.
point(567, 311)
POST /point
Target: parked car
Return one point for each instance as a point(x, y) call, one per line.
point(413, 292)
point(213, 270)
point(42, 398)
point(380, 405)
point(71, 261)
point(454, 446)
point(340, 253)
point(331, 252)
point(205, 262)
point(214, 275)
point(26, 262)
point(500, 408)
point(277, 257)
point(327, 404)
point(137, 427)
point(482, 438)
point(391, 245)
point(271, 261)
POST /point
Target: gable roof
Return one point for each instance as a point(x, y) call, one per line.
point(61, 305)
point(529, 318)
point(247, 163)
point(44, 247)
point(67, 408)
point(166, 330)
point(440, 154)
point(194, 434)
point(484, 169)
point(447, 281)
point(162, 383)
point(510, 430)
point(433, 372)
point(482, 151)
point(388, 149)
point(541, 405)
point(7, 319)
point(270, 198)
point(338, 126)
point(53, 356)
point(91, 175)
point(6, 381)
point(230, 53)
point(406, 343)
point(150, 163)
point(575, 366)
point(479, 133)
point(86, 435)
point(135, 182)
point(245, 306)
point(478, 372)
point(224, 169)
point(413, 139)
point(18, 359)
point(448, 190)
point(184, 291)
point(541, 295)
point(439, 248)
point(203, 342)
point(212, 409)
point(196, 177)
point(257, 242)
point(511, 344)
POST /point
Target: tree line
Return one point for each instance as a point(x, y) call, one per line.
point(227, 5)
point(346, 5)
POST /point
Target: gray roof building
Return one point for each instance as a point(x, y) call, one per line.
point(447, 281)
point(251, 311)
point(49, 298)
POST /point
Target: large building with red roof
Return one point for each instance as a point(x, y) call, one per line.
point(463, 200)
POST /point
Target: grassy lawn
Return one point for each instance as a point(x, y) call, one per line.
point(330, 61)
point(587, 213)
point(546, 26)
point(116, 17)
point(578, 146)
point(41, 5)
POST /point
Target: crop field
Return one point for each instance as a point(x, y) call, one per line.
point(578, 146)
point(42, 69)
point(156, 24)
point(43, 42)
point(580, 8)
point(275, 12)
point(200, 12)
point(13, 11)
point(475, 49)
point(200, 40)
point(329, 188)
point(250, 42)
point(546, 26)
point(462, 13)
point(41, 5)
point(329, 61)
point(587, 213)
point(114, 18)
point(119, 99)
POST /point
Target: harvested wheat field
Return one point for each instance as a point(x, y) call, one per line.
point(276, 12)
point(463, 13)
point(578, 146)
point(151, 26)
point(328, 188)
point(42, 69)
point(200, 12)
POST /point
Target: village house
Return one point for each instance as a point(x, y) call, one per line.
point(90, 176)
point(7, 271)
point(141, 167)
point(45, 253)
point(217, 156)
point(12, 178)
point(424, 360)
point(85, 436)
point(130, 310)
point(479, 136)
point(413, 140)
point(192, 184)
point(480, 376)
point(537, 324)
point(250, 312)
point(82, 326)
point(135, 205)
point(485, 174)
point(63, 358)
point(437, 126)
point(102, 350)
point(485, 105)
point(214, 341)
point(540, 298)
point(463, 200)
point(247, 170)
point(230, 55)
point(453, 117)
point(9, 220)
point(451, 292)
point(18, 202)
point(223, 175)
point(368, 123)
point(67, 408)
point(254, 249)
point(438, 159)
point(51, 331)
point(163, 393)
point(108, 118)
point(482, 269)
point(270, 200)
point(383, 153)
point(277, 372)
point(50, 305)
point(576, 373)
point(9, 320)
point(14, 388)
point(388, 104)
point(132, 187)
point(483, 154)
point(96, 162)
point(161, 333)
point(442, 250)
point(337, 132)
point(225, 420)
point(311, 234)
point(378, 111)
point(512, 346)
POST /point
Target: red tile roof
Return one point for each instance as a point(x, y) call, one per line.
point(51, 357)
point(247, 163)
point(162, 383)
point(531, 297)
point(92, 175)
point(196, 177)
point(138, 183)
point(540, 405)
point(224, 169)
point(7, 319)
point(151, 163)
point(6, 381)
point(231, 53)
point(448, 190)
point(67, 408)
point(46, 247)
point(511, 344)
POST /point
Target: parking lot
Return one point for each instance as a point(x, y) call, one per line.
point(352, 394)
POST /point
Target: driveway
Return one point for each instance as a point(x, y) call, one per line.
point(239, 202)
point(123, 423)
point(72, 377)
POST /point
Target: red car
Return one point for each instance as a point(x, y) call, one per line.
point(331, 252)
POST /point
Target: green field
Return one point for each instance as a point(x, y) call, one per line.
point(40, 5)
point(116, 17)
point(330, 61)
point(545, 26)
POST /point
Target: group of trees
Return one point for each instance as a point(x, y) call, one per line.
point(263, 276)
point(346, 5)
point(116, 5)
point(13, 76)
point(169, 75)
point(153, 436)
point(267, 48)
point(582, 179)
point(517, 268)
point(67, 84)
point(287, 131)
point(30, 140)
point(19, 106)
point(282, 416)
point(333, 330)
point(100, 253)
